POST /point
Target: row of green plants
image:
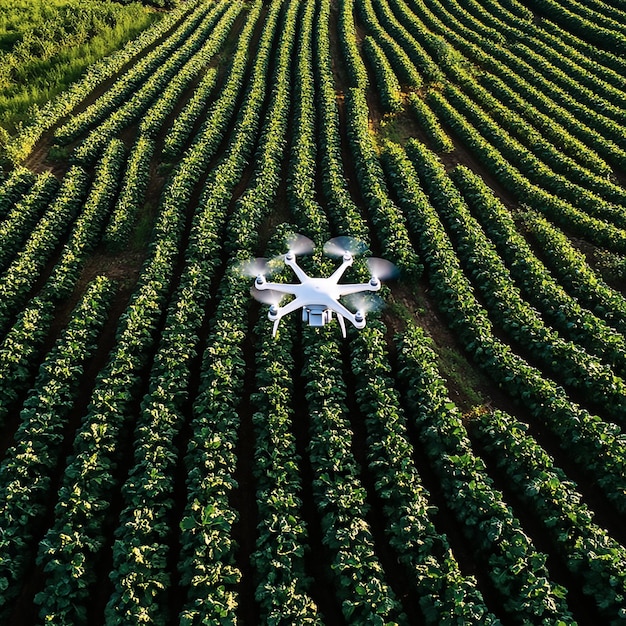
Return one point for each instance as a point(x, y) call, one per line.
point(207, 561)
point(396, 56)
point(339, 203)
point(45, 117)
point(538, 285)
point(429, 123)
point(13, 187)
point(512, 75)
point(125, 85)
point(578, 222)
point(131, 197)
point(507, 308)
point(86, 232)
point(143, 537)
point(257, 202)
point(445, 595)
point(28, 467)
point(518, 571)
point(218, 117)
point(19, 277)
point(387, 84)
point(194, 109)
point(591, 193)
point(303, 155)
point(587, 549)
point(23, 216)
point(574, 272)
point(592, 444)
point(388, 221)
point(357, 74)
point(20, 351)
point(78, 531)
point(152, 100)
point(282, 586)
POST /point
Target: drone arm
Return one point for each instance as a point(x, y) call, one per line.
point(284, 310)
point(282, 287)
point(297, 270)
point(344, 290)
point(338, 273)
point(341, 310)
point(281, 312)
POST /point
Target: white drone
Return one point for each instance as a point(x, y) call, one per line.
point(319, 297)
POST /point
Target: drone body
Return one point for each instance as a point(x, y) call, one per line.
point(317, 297)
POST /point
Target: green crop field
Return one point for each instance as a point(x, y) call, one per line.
point(461, 460)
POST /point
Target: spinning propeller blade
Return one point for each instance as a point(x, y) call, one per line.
point(338, 246)
point(381, 268)
point(365, 302)
point(299, 244)
point(266, 296)
point(253, 267)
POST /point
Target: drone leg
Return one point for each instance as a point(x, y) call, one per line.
point(342, 323)
point(275, 327)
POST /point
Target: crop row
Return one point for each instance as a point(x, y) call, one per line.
point(589, 126)
point(27, 469)
point(342, 209)
point(13, 188)
point(127, 83)
point(54, 110)
point(217, 118)
point(193, 110)
point(591, 443)
point(157, 95)
point(577, 221)
point(517, 570)
point(385, 216)
point(445, 595)
point(49, 231)
point(23, 216)
point(587, 549)
point(74, 540)
point(131, 196)
point(538, 285)
point(141, 549)
point(571, 268)
point(283, 589)
point(480, 260)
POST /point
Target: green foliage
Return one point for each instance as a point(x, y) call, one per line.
point(45, 45)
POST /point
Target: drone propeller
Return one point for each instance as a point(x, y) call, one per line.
point(364, 302)
point(381, 268)
point(338, 246)
point(299, 244)
point(266, 296)
point(254, 267)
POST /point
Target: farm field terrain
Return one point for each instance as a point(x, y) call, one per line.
point(461, 460)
